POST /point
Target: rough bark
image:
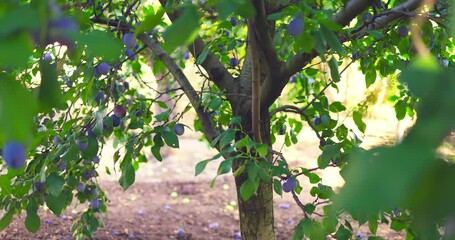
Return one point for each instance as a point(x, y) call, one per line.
point(256, 214)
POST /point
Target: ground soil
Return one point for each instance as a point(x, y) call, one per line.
point(167, 197)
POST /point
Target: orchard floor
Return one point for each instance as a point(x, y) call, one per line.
point(167, 197)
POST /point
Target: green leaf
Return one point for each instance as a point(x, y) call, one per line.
point(15, 50)
point(357, 116)
point(373, 223)
point(5, 185)
point(314, 178)
point(50, 95)
point(128, 176)
point(329, 152)
point(32, 222)
point(201, 58)
point(150, 22)
point(332, 40)
point(54, 184)
point(277, 187)
point(333, 64)
point(225, 167)
point(337, 107)
point(17, 109)
point(400, 109)
point(171, 139)
point(56, 203)
point(370, 76)
point(184, 30)
point(22, 18)
point(200, 166)
point(343, 233)
point(102, 44)
point(242, 7)
point(248, 189)
point(263, 150)
point(6, 220)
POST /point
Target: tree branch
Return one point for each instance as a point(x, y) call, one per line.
point(214, 67)
point(255, 81)
point(265, 39)
point(210, 131)
point(271, 89)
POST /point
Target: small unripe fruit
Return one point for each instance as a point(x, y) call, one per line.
point(129, 40)
point(119, 111)
point(295, 27)
point(233, 21)
point(234, 62)
point(14, 155)
point(102, 68)
point(179, 129)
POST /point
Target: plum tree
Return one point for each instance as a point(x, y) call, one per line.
point(242, 99)
point(14, 154)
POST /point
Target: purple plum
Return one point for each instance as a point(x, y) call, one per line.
point(99, 97)
point(129, 40)
point(233, 21)
point(233, 62)
point(80, 187)
point(186, 56)
point(96, 159)
point(115, 120)
point(102, 68)
point(95, 204)
point(119, 111)
point(39, 186)
point(317, 121)
point(295, 26)
point(130, 54)
point(82, 144)
point(289, 185)
point(47, 57)
point(403, 31)
point(14, 155)
point(179, 129)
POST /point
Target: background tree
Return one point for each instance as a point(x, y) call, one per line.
point(65, 90)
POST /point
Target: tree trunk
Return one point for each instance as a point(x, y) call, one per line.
point(256, 214)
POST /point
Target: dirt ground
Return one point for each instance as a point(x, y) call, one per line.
point(166, 197)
